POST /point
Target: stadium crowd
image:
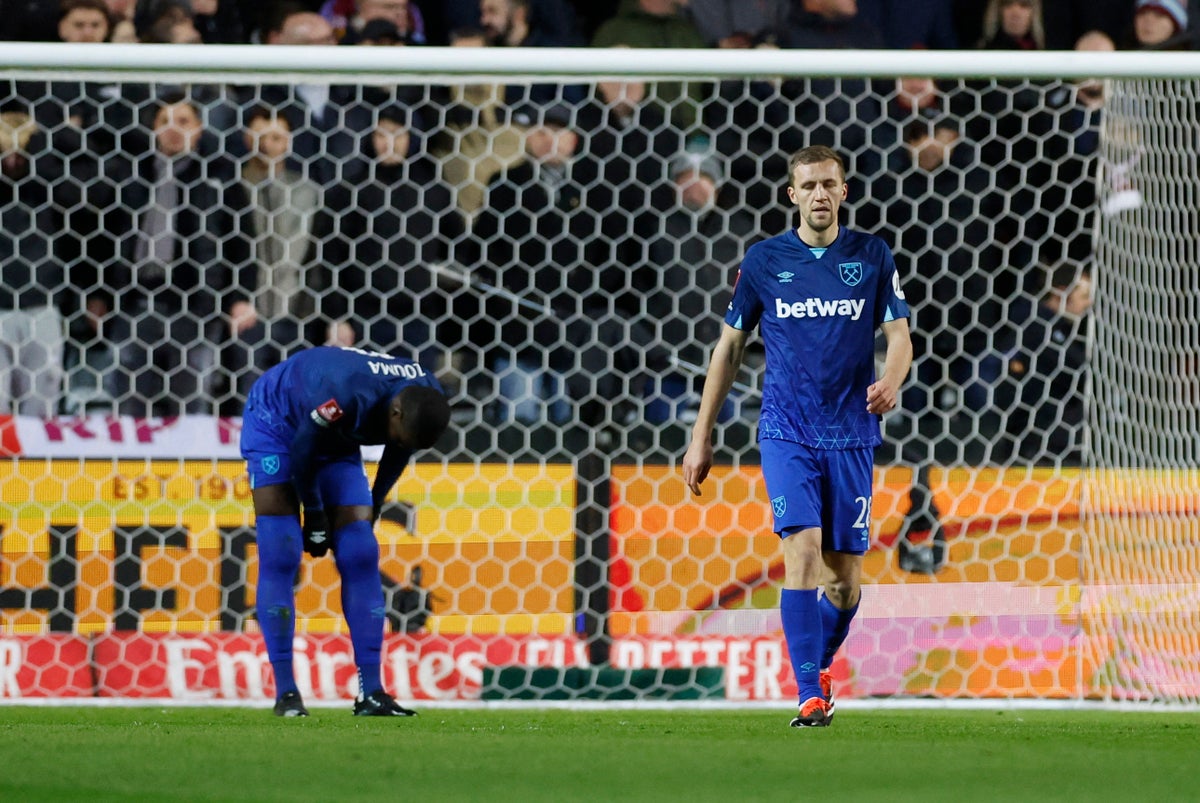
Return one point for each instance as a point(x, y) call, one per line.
point(164, 244)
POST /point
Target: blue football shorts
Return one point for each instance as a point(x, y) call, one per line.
point(826, 488)
point(266, 445)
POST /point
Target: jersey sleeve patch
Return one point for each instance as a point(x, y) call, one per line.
point(327, 413)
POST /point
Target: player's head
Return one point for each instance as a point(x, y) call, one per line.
point(817, 185)
point(417, 417)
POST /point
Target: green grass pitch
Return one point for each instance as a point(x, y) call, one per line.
point(528, 754)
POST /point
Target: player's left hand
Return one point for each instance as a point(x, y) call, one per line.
point(881, 397)
point(317, 536)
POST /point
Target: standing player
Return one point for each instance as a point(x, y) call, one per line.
point(304, 425)
point(818, 292)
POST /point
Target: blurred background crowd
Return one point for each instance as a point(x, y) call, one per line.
point(558, 252)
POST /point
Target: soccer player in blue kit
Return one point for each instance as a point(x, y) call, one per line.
point(303, 427)
point(817, 293)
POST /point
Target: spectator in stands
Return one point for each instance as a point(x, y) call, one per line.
point(949, 264)
point(82, 121)
point(528, 23)
point(348, 18)
point(910, 100)
point(1160, 25)
point(173, 22)
point(328, 122)
point(659, 23)
point(89, 106)
point(1090, 91)
point(1014, 120)
point(1047, 371)
point(542, 234)
point(172, 30)
point(913, 99)
point(31, 279)
point(184, 245)
point(908, 24)
point(693, 258)
point(396, 223)
point(1013, 25)
point(219, 22)
point(747, 117)
point(1067, 20)
point(476, 141)
point(285, 212)
point(532, 23)
point(297, 27)
point(630, 135)
point(96, 109)
point(631, 143)
point(738, 24)
point(245, 350)
point(84, 22)
point(828, 109)
point(285, 207)
point(167, 22)
point(381, 33)
point(1013, 127)
point(300, 28)
point(829, 24)
point(1072, 155)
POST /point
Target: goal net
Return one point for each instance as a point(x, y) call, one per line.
point(1139, 611)
point(556, 237)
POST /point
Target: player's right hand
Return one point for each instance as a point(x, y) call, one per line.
point(317, 536)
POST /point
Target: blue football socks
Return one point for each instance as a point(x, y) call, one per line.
point(280, 544)
point(835, 624)
point(802, 631)
point(357, 554)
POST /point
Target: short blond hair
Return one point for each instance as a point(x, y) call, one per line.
point(815, 154)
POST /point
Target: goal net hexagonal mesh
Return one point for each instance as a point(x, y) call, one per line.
point(169, 237)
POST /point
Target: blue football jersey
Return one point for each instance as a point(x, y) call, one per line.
point(329, 402)
point(343, 393)
point(817, 311)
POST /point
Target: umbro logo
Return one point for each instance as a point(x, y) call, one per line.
point(785, 277)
